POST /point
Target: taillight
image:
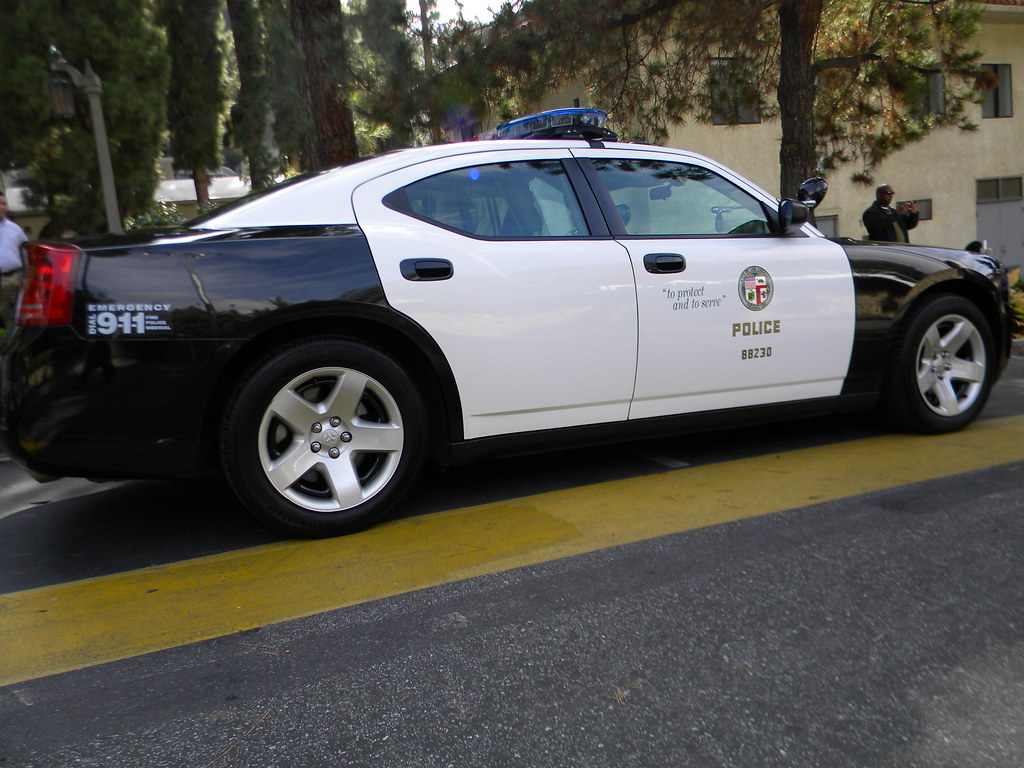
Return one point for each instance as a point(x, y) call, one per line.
point(48, 293)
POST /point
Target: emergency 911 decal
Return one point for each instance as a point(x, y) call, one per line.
point(756, 288)
point(126, 319)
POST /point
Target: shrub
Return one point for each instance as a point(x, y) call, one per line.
point(1017, 307)
point(160, 215)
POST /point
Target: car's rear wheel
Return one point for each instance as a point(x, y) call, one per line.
point(323, 437)
point(940, 374)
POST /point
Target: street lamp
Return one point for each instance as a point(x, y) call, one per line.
point(63, 77)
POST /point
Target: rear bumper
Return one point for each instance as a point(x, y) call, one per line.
point(99, 409)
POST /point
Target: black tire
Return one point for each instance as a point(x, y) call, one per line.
point(302, 473)
point(940, 371)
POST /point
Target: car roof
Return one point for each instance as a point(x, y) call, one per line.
point(306, 200)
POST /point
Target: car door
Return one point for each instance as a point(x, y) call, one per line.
point(731, 314)
point(491, 253)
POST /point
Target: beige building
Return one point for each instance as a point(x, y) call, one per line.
point(967, 185)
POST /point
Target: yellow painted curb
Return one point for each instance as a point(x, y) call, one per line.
point(55, 629)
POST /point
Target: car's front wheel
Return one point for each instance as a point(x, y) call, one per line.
point(323, 437)
point(940, 374)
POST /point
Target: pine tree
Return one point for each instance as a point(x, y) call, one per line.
point(290, 121)
point(250, 113)
point(197, 98)
point(845, 77)
point(319, 30)
point(391, 97)
point(128, 50)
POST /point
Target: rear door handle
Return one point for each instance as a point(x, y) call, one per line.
point(664, 263)
point(426, 269)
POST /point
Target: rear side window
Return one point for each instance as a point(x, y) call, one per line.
point(500, 200)
point(665, 199)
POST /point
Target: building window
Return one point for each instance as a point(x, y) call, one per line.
point(827, 225)
point(995, 190)
point(997, 90)
point(734, 98)
point(924, 210)
point(932, 97)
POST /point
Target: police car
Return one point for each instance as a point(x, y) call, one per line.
point(322, 341)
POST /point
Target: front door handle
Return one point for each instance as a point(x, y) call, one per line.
point(426, 269)
point(664, 263)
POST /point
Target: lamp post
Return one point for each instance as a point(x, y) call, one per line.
point(62, 101)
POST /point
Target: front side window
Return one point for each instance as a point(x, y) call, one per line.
point(666, 199)
point(511, 200)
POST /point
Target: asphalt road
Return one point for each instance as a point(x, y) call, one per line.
point(879, 629)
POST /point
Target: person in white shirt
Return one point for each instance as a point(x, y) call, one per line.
point(11, 238)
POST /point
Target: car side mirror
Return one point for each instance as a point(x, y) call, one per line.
point(792, 216)
point(812, 192)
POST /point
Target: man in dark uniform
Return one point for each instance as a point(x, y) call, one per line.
point(886, 223)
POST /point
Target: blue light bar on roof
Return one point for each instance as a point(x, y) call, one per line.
point(571, 122)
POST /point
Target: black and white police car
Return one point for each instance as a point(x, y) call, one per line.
point(323, 340)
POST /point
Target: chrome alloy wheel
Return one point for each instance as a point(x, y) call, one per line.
point(331, 439)
point(951, 365)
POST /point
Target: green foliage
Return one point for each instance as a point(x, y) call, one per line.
point(1017, 307)
point(290, 123)
point(388, 81)
point(128, 51)
point(872, 68)
point(875, 63)
point(648, 64)
point(374, 58)
point(197, 98)
point(158, 216)
point(250, 113)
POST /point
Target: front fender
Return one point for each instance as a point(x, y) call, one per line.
point(890, 279)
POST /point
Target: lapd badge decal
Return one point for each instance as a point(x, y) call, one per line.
point(756, 288)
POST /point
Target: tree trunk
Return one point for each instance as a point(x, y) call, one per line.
point(202, 181)
point(332, 138)
point(798, 23)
